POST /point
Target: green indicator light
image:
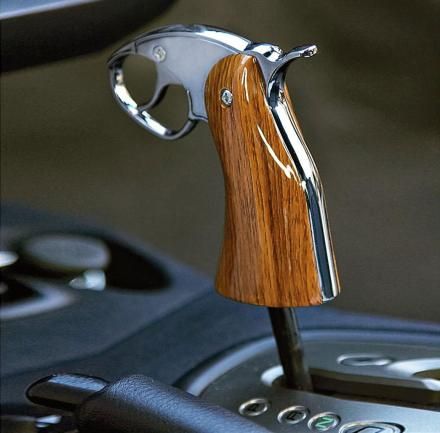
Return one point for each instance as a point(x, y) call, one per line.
point(325, 422)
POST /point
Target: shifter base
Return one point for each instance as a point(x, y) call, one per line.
point(358, 385)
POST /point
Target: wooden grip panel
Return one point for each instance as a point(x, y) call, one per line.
point(268, 254)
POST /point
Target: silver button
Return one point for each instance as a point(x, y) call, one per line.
point(254, 407)
point(292, 415)
point(370, 427)
point(364, 360)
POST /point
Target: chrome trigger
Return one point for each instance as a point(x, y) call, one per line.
point(273, 61)
point(303, 51)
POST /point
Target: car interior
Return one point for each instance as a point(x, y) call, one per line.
point(169, 262)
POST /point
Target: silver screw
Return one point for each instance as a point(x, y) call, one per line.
point(159, 53)
point(226, 97)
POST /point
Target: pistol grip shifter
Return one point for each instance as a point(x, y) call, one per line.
point(277, 250)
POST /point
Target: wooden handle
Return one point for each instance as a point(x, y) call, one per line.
point(268, 256)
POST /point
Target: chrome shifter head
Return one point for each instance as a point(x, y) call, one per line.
point(184, 55)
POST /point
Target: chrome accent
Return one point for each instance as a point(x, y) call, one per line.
point(184, 55)
point(283, 415)
point(364, 360)
point(7, 258)
point(91, 279)
point(418, 368)
point(244, 408)
point(274, 62)
point(47, 421)
point(372, 426)
point(312, 188)
point(190, 53)
point(269, 376)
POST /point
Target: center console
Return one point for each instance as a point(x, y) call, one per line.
point(370, 373)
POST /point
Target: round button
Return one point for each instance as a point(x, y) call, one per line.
point(365, 360)
point(324, 421)
point(65, 253)
point(254, 407)
point(370, 427)
point(292, 415)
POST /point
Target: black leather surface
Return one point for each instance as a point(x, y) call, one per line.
point(95, 321)
point(139, 404)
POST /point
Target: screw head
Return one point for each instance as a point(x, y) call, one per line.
point(226, 97)
point(159, 53)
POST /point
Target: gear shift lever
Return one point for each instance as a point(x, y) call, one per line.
point(277, 249)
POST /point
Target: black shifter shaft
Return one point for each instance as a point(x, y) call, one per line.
point(290, 349)
point(135, 404)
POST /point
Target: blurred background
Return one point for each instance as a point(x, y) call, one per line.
point(368, 104)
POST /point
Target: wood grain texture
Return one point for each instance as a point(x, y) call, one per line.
point(267, 256)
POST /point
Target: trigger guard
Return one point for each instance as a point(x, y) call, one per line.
point(140, 113)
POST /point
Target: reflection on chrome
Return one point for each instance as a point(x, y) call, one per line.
point(312, 188)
